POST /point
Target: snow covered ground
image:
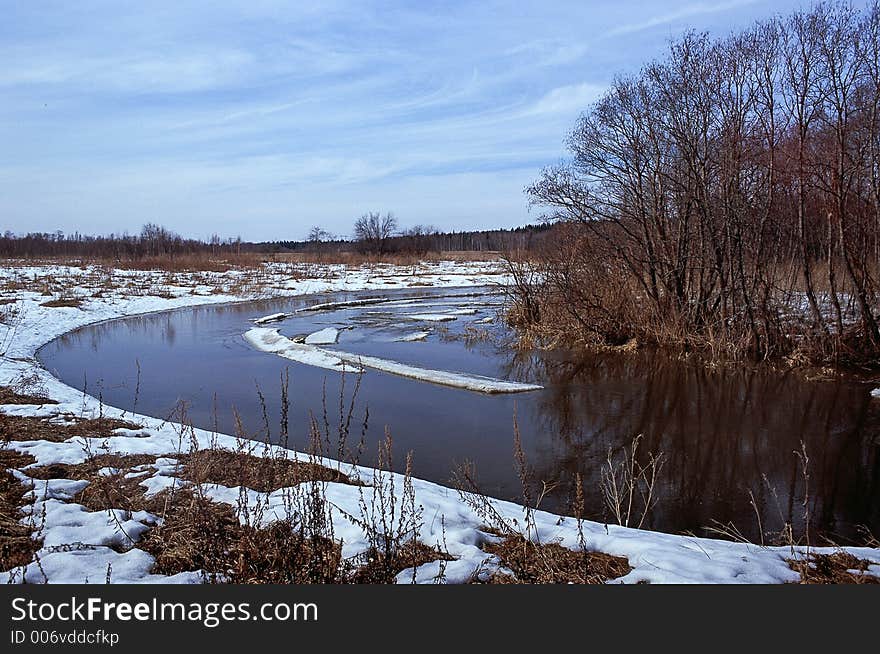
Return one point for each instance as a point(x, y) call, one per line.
point(79, 545)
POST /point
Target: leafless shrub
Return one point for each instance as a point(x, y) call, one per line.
point(628, 485)
point(725, 200)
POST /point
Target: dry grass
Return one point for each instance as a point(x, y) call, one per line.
point(837, 568)
point(63, 302)
point(377, 568)
point(107, 491)
point(197, 534)
point(392, 258)
point(11, 396)
point(201, 261)
point(17, 546)
point(551, 563)
point(27, 428)
point(262, 474)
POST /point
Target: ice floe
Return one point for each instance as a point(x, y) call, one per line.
point(432, 317)
point(414, 336)
point(274, 317)
point(326, 336)
point(332, 306)
point(269, 340)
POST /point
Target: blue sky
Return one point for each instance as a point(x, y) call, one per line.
point(264, 118)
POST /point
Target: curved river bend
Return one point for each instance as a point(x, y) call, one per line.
point(723, 433)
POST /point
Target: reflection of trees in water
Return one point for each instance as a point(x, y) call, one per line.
point(723, 432)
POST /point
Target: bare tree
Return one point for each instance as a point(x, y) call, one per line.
point(731, 192)
point(373, 231)
point(318, 234)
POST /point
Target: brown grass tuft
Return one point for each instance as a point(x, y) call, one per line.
point(551, 563)
point(74, 302)
point(262, 474)
point(9, 395)
point(197, 534)
point(29, 428)
point(17, 546)
point(838, 568)
point(376, 568)
point(106, 491)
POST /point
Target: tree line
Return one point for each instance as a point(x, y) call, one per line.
point(726, 198)
point(377, 236)
point(153, 241)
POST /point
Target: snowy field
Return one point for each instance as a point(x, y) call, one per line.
point(78, 545)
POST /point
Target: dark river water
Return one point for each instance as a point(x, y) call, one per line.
point(726, 435)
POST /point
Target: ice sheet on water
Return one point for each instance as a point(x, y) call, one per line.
point(326, 336)
point(270, 340)
point(332, 306)
point(432, 317)
point(273, 317)
point(414, 336)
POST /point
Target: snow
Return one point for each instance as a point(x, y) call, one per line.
point(413, 336)
point(269, 340)
point(79, 544)
point(463, 312)
point(274, 317)
point(466, 381)
point(327, 336)
point(432, 317)
point(876, 393)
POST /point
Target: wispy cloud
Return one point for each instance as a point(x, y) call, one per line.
point(565, 99)
point(263, 118)
point(685, 12)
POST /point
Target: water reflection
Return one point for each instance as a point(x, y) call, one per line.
point(724, 433)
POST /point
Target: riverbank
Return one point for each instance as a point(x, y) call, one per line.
point(466, 535)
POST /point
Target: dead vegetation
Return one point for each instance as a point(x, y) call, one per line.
point(263, 474)
point(9, 395)
point(551, 563)
point(198, 534)
point(837, 568)
point(17, 545)
point(59, 428)
point(114, 481)
point(749, 235)
point(517, 544)
point(377, 567)
point(74, 302)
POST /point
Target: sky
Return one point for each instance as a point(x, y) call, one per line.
point(261, 119)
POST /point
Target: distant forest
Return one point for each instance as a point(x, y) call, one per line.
point(155, 241)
